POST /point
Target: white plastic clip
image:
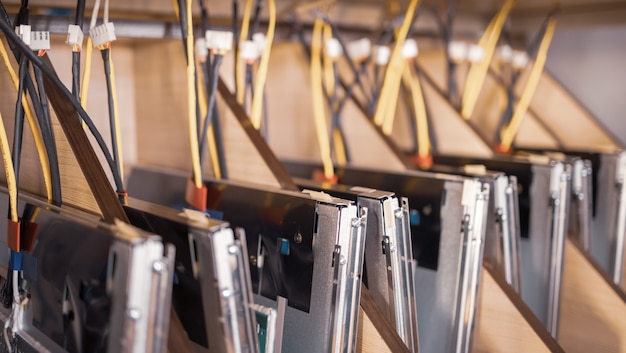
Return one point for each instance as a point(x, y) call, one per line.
point(201, 50)
point(40, 40)
point(103, 34)
point(75, 36)
point(220, 41)
point(520, 59)
point(23, 31)
point(475, 53)
point(410, 50)
point(332, 47)
point(457, 50)
point(381, 55)
point(259, 39)
point(359, 49)
point(505, 53)
point(248, 51)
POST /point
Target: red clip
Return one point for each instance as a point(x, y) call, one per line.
point(28, 236)
point(196, 197)
point(13, 236)
point(319, 176)
point(498, 148)
point(423, 162)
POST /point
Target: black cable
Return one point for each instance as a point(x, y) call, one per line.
point(47, 134)
point(106, 58)
point(217, 61)
point(18, 128)
point(256, 18)
point(236, 37)
point(78, 20)
point(219, 143)
point(52, 76)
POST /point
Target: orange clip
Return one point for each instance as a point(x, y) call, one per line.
point(318, 175)
point(196, 197)
point(13, 235)
point(28, 236)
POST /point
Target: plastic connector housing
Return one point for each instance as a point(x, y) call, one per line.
point(332, 48)
point(103, 34)
point(40, 40)
point(475, 53)
point(520, 59)
point(457, 50)
point(381, 55)
point(248, 51)
point(259, 40)
point(410, 50)
point(359, 49)
point(219, 40)
point(23, 31)
point(505, 53)
point(75, 36)
point(201, 49)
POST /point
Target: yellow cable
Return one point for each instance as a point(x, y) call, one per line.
point(394, 69)
point(421, 119)
point(510, 131)
point(202, 101)
point(240, 65)
point(176, 9)
point(84, 86)
point(32, 123)
point(329, 72)
point(116, 116)
point(392, 104)
point(478, 71)
point(318, 98)
point(9, 170)
point(259, 91)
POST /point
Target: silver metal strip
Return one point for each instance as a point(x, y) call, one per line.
point(618, 247)
point(506, 203)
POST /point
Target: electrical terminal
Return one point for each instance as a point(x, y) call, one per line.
point(410, 49)
point(23, 31)
point(201, 50)
point(332, 48)
point(359, 50)
point(219, 41)
point(381, 55)
point(103, 34)
point(75, 37)
point(520, 59)
point(458, 50)
point(248, 51)
point(475, 53)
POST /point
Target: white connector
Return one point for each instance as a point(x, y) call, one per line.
point(201, 50)
point(410, 50)
point(359, 49)
point(505, 53)
point(475, 53)
point(23, 31)
point(248, 51)
point(332, 48)
point(457, 50)
point(102, 34)
point(520, 59)
point(75, 36)
point(220, 41)
point(382, 55)
point(40, 40)
point(260, 40)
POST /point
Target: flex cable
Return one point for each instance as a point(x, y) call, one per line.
point(257, 100)
point(32, 123)
point(318, 98)
point(243, 35)
point(478, 71)
point(391, 82)
point(508, 134)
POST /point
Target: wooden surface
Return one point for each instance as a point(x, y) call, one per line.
point(505, 323)
point(593, 316)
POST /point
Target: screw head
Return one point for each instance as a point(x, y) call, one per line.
point(298, 238)
point(134, 314)
point(158, 266)
point(233, 249)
